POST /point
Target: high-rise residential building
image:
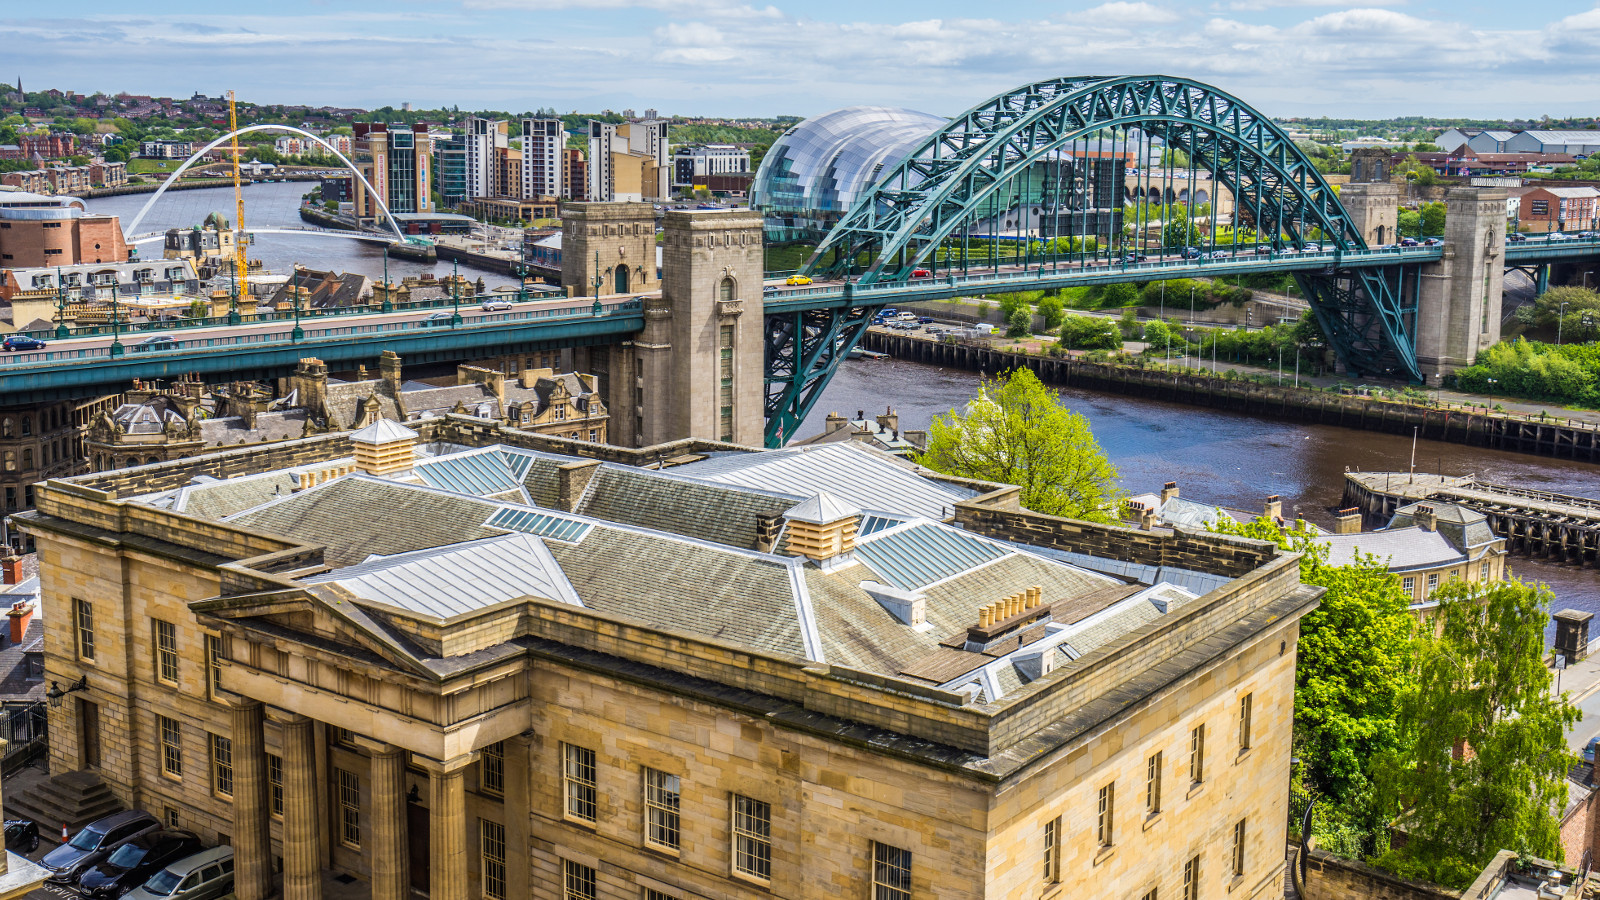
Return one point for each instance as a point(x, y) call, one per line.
point(484, 137)
point(628, 161)
point(574, 175)
point(450, 165)
point(396, 160)
point(543, 139)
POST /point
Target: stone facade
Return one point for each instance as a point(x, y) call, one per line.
point(624, 237)
point(1459, 313)
point(308, 744)
point(1329, 877)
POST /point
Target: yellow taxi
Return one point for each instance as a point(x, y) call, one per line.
point(798, 279)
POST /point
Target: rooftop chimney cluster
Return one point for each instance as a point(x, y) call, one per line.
point(1014, 605)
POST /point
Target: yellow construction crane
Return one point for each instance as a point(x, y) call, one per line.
point(241, 271)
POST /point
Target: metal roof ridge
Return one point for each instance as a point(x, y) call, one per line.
point(300, 493)
point(806, 616)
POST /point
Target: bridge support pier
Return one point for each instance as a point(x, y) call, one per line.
point(1459, 311)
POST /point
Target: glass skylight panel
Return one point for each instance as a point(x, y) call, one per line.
point(543, 524)
point(871, 525)
point(916, 557)
point(519, 463)
point(478, 474)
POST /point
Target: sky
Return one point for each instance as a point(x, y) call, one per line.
point(1368, 59)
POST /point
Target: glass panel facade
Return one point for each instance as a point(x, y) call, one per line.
point(819, 168)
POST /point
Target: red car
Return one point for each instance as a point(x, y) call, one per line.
point(921, 273)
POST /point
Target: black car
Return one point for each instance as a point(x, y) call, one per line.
point(133, 863)
point(159, 342)
point(22, 835)
point(94, 842)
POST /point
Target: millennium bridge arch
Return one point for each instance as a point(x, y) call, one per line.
point(133, 226)
point(923, 206)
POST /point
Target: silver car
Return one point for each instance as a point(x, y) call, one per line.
point(205, 875)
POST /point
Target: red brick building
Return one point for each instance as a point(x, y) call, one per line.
point(1559, 209)
point(36, 230)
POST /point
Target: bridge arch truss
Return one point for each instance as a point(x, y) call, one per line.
point(963, 176)
point(133, 226)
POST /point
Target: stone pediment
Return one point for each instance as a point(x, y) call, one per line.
point(321, 621)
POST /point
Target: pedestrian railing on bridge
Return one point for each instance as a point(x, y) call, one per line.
point(183, 345)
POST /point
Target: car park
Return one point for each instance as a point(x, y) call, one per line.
point(496, 305)
point(159, 342)
point(797, 279)
point(23, 342)
point(94, 842)
point(202, 876)
point(135, 862)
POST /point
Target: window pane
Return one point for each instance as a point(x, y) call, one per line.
point(579, 775)
point(752, 837)
point(661, 795)
point(891, 872)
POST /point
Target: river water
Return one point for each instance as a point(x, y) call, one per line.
point(271, 205)
point(1215, 457)
point(1226, 458)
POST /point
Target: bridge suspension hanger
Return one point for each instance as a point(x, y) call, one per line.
point(240, 269)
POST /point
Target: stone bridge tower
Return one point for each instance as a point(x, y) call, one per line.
point(1459, 311)
point(617, 241)
point(1371, 199)
point(700, 358)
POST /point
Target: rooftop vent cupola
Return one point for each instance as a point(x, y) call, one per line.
point(384, 448)
point(823, 528)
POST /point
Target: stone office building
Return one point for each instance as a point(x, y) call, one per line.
point(486, 663)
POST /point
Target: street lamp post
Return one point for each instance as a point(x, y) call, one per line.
point(297, 334)
point(61, 307)
point(388, 295)
point(455, 293)
point(116, 319)
point(1561, 313)
point(233, 295)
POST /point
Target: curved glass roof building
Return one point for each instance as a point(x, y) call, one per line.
point(818, 168)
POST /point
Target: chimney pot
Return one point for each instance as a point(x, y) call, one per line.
point(1169, 491)
point(1035, 596)
point(985, 617)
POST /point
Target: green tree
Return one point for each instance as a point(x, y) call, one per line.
point(1050, 308)
point(1090, 333)
point(1352, 666)
point(1433, 219)
point(1018, 432)
point(1019, 322)
point(1120, 294)
point(1180, 230)
point(1484, 758)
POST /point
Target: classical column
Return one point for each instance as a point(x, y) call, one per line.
point(447, 825)
point(302, 869)
point(252, 841)
point(391, 861)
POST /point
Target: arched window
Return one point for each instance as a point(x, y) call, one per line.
point(7, 425)
point(153, 460)
point(725, 290)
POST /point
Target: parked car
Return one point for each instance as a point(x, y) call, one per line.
point(22, 835)
point(496, 305)
point(1588, 749)
point(797, 279)
point(23, 342)
point(159, 342)
point(202, 876)
point(94, 842)
point(133, 863)
point(926, 320)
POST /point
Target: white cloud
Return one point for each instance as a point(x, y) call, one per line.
point(1259, 5)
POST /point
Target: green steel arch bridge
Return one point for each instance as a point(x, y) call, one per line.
point(1040, 168)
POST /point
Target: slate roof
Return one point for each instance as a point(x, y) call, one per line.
point(220, 499)
point(1403, 548)
point(357, 516)
point(344, 399)
point(1464, 527)
point(270, 426)
point(667, 582)
point(708, 512)
point(852, 472)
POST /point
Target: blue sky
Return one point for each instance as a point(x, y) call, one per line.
point(1376, 58)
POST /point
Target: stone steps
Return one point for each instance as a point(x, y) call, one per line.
point(73, 799)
